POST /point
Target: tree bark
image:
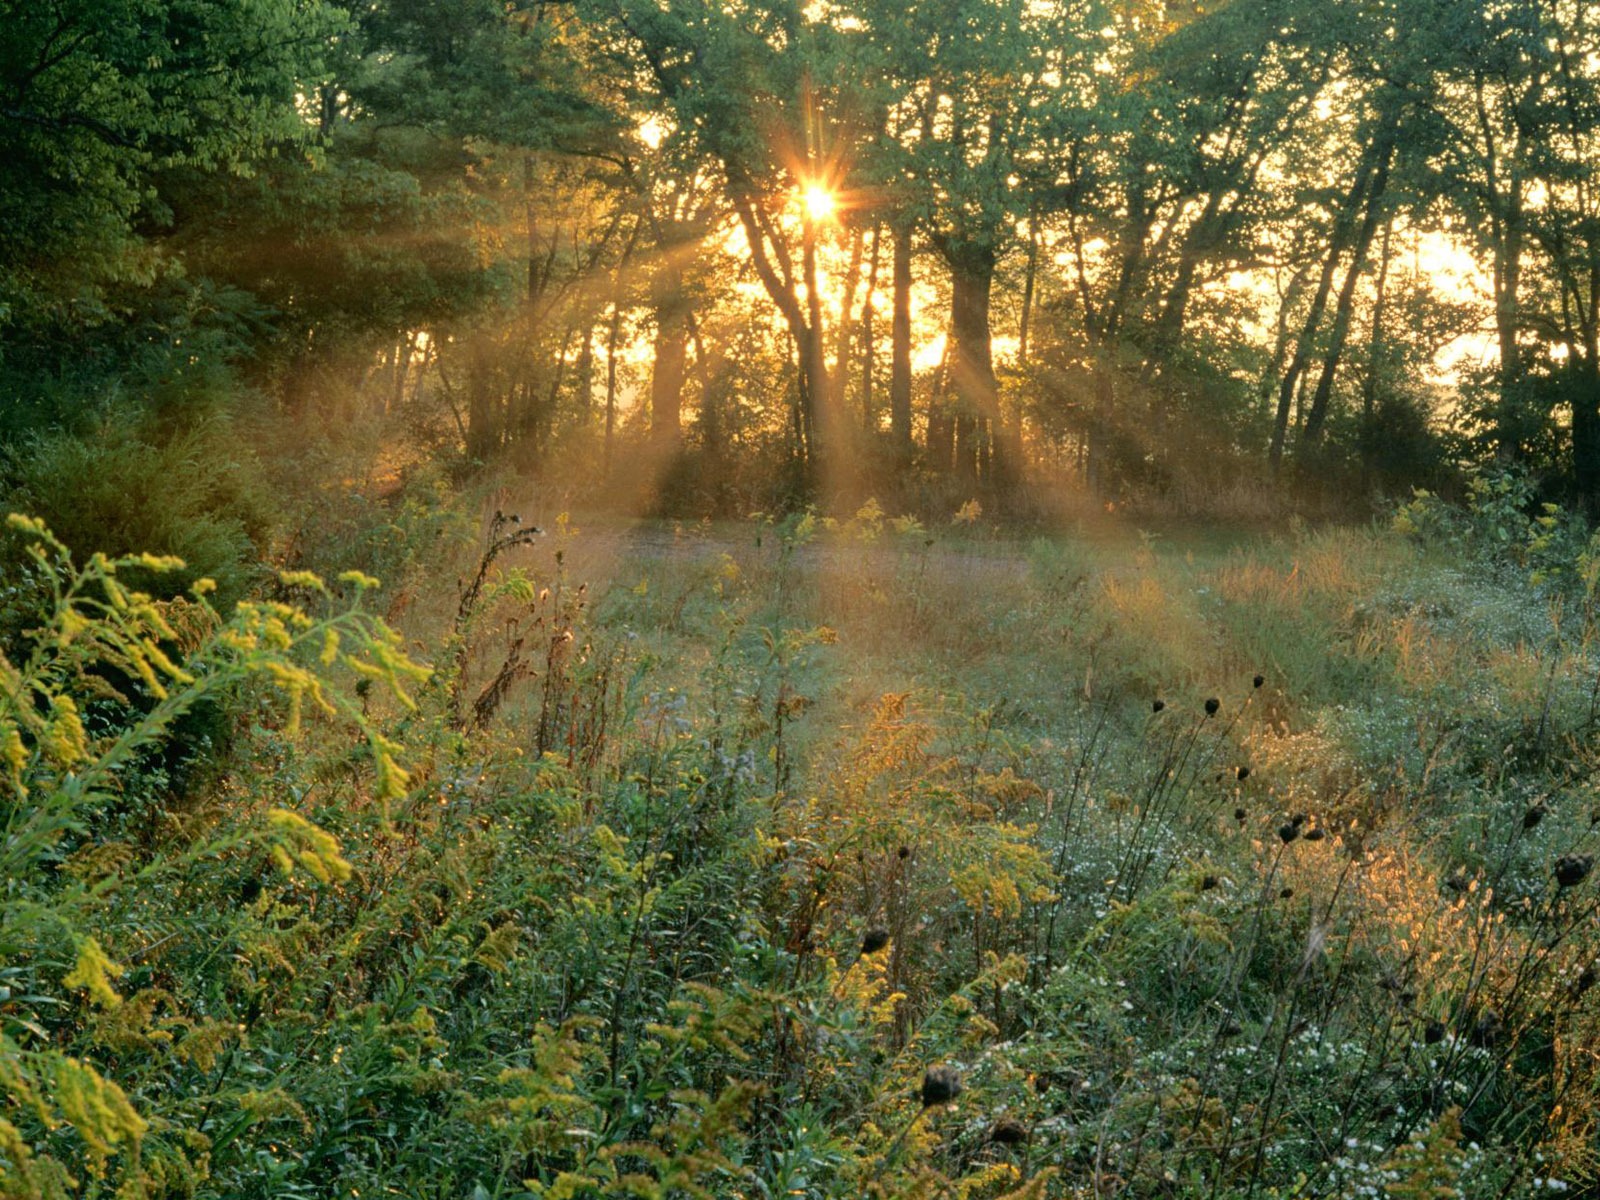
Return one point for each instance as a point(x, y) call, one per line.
point(971, 361)
point(1343, 227)
point(671, 354)
point(900, 348)
point(1317, 414)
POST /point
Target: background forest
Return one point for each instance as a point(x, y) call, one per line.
point(712, 259)
point(959, 730)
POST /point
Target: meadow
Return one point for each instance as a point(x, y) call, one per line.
point(809, 858)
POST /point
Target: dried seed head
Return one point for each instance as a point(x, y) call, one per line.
point(1433, 1033)
point(940, 1085)
point(1585, 980)
point(1316, 835)
point(1286, 894)
point(873, 941)
point(1157, 705)
point(1209, 882)
point(1258, 681)
point(1243, 773)
point(1008, 1131)
point(1212, 704)
point(1534, 815)
point(1288, 833)
point(1239, 815)
point(1487, 1031)
point(904, 852)
point(1573, 869)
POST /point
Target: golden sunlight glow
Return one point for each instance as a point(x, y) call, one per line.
point(819, 202)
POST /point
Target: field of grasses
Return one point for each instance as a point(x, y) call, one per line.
point(807, 858)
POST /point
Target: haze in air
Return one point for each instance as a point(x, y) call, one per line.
point(968, 598)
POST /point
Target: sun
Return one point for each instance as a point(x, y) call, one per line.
point(819, 201)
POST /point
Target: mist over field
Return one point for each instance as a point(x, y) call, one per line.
point(953, 600)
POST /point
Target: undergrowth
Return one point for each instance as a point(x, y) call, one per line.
point(809, 859)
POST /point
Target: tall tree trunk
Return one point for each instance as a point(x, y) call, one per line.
point(971, 358)
point(869, 412)
point(900, 344)
point(816, 392)
point(1343, 227)
point(613, 335)
point(1317, 414)
point(671, 351)
point(939, 449)
point(1583, 389)
point(1375, 354)
point(1029, 282)
point(483, 433)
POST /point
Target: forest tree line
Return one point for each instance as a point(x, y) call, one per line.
point(762, 251)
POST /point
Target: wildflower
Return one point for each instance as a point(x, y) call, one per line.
point(940, 1085)
point(873, 941)
point(1212, 704)
point(1243, 773)
point(1573, 869)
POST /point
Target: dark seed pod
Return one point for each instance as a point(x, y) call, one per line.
point(1209, 882)
point(1487, 1031)
point(1286, 894)
point(1157, 705)
point(940, 1085)
point(1433, 1033)
point(1258, 681)
point(1239, 815)
point(1533, 816)
point(1299, 819)
point(1243, 773)
point(1212, 705)
point(1288, 833)
point(1008, 1131)
point(873, 941)
point(1573, 869)
point(1585, 981)
point(1315, 835)
point(904, 852)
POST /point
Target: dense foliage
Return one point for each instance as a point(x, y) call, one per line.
point(728, 257)
point(1262, 873)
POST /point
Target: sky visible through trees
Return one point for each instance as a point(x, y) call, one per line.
point(809, 251)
